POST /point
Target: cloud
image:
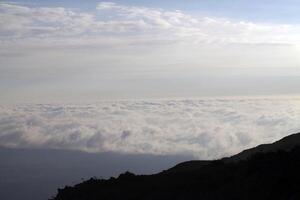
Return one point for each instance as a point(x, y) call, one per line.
point(122, 37)
point(23, 22)
point(205, 128)
point(107, 5)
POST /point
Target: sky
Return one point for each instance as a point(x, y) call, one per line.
point(89, 50)
point(199, 79)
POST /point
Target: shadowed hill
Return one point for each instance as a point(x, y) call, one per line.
point(265, 172)
point(286, 144)
point(188, 166)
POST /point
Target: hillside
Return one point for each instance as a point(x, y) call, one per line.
point(265, 172)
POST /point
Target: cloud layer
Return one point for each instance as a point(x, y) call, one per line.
point(205, 128)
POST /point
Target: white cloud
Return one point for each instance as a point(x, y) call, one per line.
point(206, 128)
point(106, 5)
point(141, 32)
point(23, 22)
point(45, 49)
point(137, 35)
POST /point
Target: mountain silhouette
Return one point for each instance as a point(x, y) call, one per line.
point(268, 171)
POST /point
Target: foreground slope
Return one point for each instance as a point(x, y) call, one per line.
point(265, 172)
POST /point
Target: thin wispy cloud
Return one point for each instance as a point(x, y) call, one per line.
point(49, 51)
point(23, 22)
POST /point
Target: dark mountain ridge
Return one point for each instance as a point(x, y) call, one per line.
point(286, 144)
point(269, 171)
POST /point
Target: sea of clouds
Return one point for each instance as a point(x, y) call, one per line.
point(206, 128)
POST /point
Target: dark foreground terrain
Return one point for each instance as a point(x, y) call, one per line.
point(269, 171)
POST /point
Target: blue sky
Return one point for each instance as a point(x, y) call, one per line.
point(147, 49)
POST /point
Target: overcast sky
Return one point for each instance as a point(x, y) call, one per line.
point(89, 50)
